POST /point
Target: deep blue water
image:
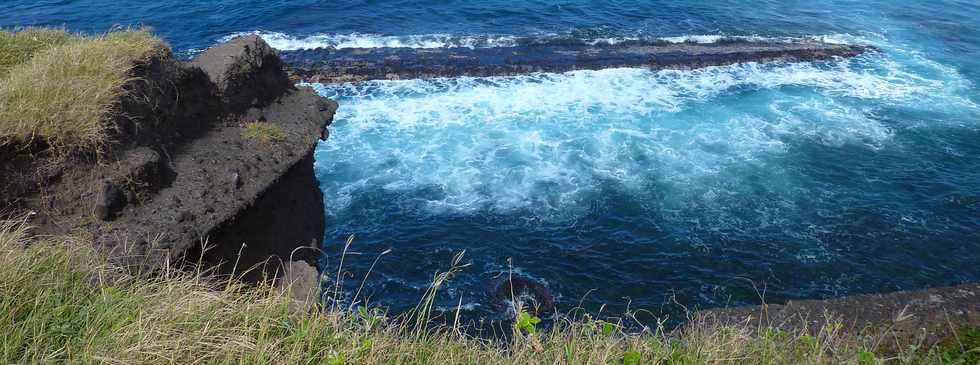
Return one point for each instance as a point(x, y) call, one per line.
point(652, 190)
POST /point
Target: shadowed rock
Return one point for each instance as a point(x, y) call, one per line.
point(532, 296)
point(359, 64)
point(246, 72)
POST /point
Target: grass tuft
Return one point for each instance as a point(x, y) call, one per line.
point(65, 92)
point(18, 47)
point(264, 133)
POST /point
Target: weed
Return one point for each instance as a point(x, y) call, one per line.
point(264, 133)
point(962, 348)
point(526, 322)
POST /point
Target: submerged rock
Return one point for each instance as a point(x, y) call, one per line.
point(509, 293)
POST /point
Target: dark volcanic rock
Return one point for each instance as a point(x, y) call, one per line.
point(273, 207)
point(180, 171)
point(531, 295)
point(357, 64)
point(909, 316)
point(246, 71)
point(286, 221)
point(164, 105)
point(109, 203)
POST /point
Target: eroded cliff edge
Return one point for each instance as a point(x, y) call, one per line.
point(187, 167)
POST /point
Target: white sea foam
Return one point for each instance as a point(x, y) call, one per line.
point(547, 142)
point(707, 39)
point(286, 42)
point(289, 42)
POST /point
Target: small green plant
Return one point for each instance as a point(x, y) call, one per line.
point(607, 329)
point(338, 360)
point(370, 320)
point(264, 133)
point(631, 358)
point(867, 358)
point(526, 322)
point(808, 340)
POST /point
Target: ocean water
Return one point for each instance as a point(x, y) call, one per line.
point(626, 189)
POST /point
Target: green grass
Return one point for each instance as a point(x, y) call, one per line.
point(60, 302)
point(264, 133)
point(18, 47)
point(963, 348)
point(62, 88)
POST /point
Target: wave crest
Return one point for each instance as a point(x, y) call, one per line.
point(548, 143)
point(287, 42)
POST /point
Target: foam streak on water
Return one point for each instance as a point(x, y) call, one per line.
point(766, 166)
point(287, 42)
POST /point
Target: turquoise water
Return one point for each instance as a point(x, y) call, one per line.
point(627, 188)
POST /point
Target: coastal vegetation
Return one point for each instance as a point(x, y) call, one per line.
point(60, 88)
point(62, 301)
point(264, 133)
point(18, 47)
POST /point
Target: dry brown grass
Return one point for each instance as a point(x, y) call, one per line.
point(65, 92)
point(18, 47)
point(60, 302)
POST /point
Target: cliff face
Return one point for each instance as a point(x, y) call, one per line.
point(184, 170)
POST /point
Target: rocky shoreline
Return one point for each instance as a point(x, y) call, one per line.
point(927, 315)
point(328, 65)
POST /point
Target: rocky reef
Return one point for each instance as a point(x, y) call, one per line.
point(182, 171)
point(928, 315)
point(358, 64)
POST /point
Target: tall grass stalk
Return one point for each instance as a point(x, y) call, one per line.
point(62, 302)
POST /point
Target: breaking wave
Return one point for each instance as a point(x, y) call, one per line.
point(287, 42)
point(674, 181)
point(546, 142)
